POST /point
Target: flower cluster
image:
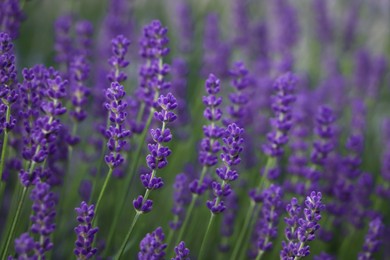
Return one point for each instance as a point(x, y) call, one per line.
point(43, 218)
point(182, 253)
point(85, 232)
point(153, 48)
point(120, 45)
point(181, 197)
point(300, 230)
point(284, 87)
point(79, 71)
point(157, 158)
point(372, 240)
point(267, 227)
point(11, 16)
point(8, 82)
point(241, 80)
point(152, 246)
point(230, 157)
point(116, 133)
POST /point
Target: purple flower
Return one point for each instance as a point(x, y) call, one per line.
point(79, 71)
point(230, 157)
point(120, 45)
point(43, 217)
point(153, 48)
point(324, 256)
point(152, 246)
point(11, 16)
point(301, 230)
point(210, 145)
point(282, 100)
point(267, 226)
point(8, 91)
point(324, 129)
point(116, 134)
point(286, 25)
point(25, 247)
point(84, 33)
point(324, 27)
point(238, 110)
point(216, 52)
point(185, 25)
point(241, 22)
point(85, 232)
point(372, 240)
point(63, 42)
point(181, 198)
point(182, 253)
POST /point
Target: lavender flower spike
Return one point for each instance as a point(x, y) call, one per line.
point(25, 247)
point(267, 227)
point(116, 133)
point(152, 246)
point(85, 232)
point(282, 100)
point(44, 202)
point(120, 45)
point(372, 240)
point(230, 157)
point(182, 253)
point(301, 230)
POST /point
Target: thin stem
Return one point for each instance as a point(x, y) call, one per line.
point(3, 152)
point(191, 207)
point(128, 181)
point(205, 238)
point(102, 193)
point(2, 160)
point(122, 249)
point(243, 230)
point(14, 223)
point(138, 213)
point(263, 183)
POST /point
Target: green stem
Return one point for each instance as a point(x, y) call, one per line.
point(14, 223)
point(190, 207)
point(122, 249)
point(205, 238)
point(102, 191)
point(128, 181)
point(138, 213)
point(3, 151)
point(243, 230)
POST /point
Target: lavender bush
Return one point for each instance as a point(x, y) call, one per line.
point(186, 129)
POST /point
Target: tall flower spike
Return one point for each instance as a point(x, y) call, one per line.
point(372, 240)
point(152, 246)
point(116, 134)
point(325, 131)
point(282, 100)
point(8, 82)
point(301, 230)
point(153, 48)
point(157, 158)
point(241, 80)
point(79, 71)
point(181, 252)
point(43, 218)
point(181, 198)
point(267, 227)
point(11, 16)
point(230, 157)
point(118, 62)
point(85, 232)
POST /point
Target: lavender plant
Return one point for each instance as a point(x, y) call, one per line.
point(295, 117)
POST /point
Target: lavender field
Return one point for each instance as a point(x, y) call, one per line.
point(195, 129)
